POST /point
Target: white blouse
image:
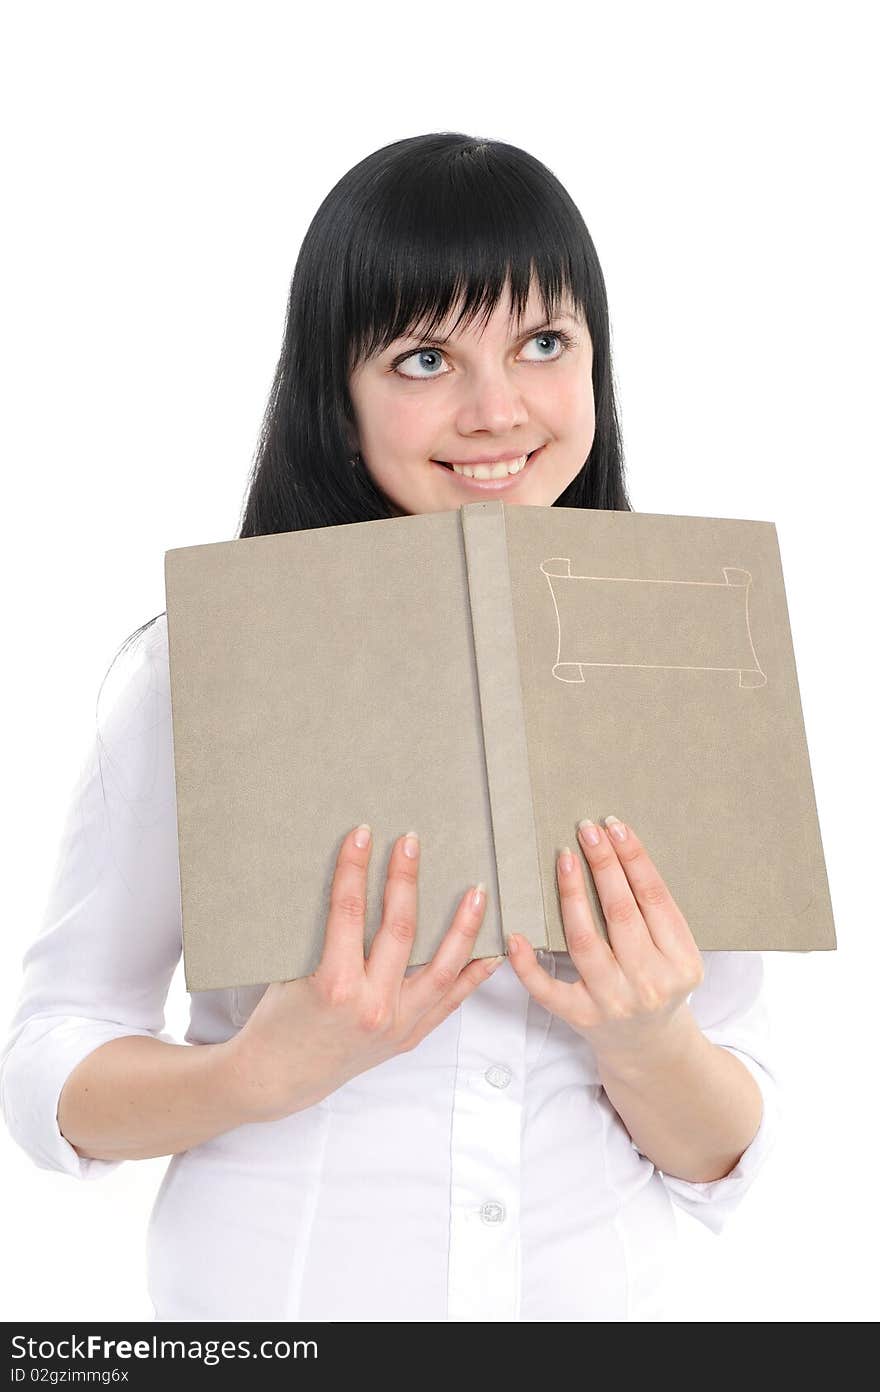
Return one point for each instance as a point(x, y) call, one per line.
point(484, 1175)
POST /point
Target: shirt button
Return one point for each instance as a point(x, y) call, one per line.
point(492, 1212)
point(498, 1075)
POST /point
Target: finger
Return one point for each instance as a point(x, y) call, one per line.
point(343, 953)
point(435, 979)
point(467, 981)
point(392, 946)
point(587, 947)
point(663, 919)
point(570, 1000)
point(628, 934)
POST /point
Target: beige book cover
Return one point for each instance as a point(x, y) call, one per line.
point(487, 676)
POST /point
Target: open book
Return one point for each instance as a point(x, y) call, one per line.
point(487, 676)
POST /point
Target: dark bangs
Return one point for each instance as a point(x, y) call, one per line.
point(468, 219)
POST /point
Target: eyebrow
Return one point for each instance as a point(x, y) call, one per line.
point(527, 333)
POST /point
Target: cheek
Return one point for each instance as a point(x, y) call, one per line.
point(571, 400)
point(401, 427)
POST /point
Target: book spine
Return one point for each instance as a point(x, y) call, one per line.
point(520, 895)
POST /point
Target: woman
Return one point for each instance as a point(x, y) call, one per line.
point(379, 1142)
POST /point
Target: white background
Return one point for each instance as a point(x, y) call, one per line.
point(161, 165)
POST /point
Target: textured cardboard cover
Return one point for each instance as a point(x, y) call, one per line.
point(489, 676)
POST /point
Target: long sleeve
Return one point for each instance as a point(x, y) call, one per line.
point(730, 1007)
point(102, 961)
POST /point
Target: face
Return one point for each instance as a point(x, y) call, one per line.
point(488, 394)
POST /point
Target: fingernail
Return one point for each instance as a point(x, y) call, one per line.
point(616, 827)
point(411, 844)
point(362, 835)
point(513, 943)
point(566, 864)
point(589, 831)
point(493, 962)
point(477, 895)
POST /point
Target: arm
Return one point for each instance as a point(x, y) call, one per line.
point(692, 1108)
point(134, 1098)
point(97, 973)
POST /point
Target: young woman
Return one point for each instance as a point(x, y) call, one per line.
point(381, 1142)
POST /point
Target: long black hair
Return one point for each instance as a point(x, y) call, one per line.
point(402, 238)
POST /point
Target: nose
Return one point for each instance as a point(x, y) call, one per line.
point(492, 402)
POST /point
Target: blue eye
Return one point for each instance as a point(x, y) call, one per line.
point(436, 354)
point(420, 355)
point(548, 333)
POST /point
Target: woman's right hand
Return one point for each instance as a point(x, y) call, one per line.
point(306, 1038)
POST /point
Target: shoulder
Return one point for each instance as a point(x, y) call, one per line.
point(135, 692)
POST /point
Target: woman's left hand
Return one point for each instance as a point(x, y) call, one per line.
point(633, 988)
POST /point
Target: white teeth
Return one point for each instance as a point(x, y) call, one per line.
point(492, 471)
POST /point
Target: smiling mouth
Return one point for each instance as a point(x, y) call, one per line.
point(487, 476)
